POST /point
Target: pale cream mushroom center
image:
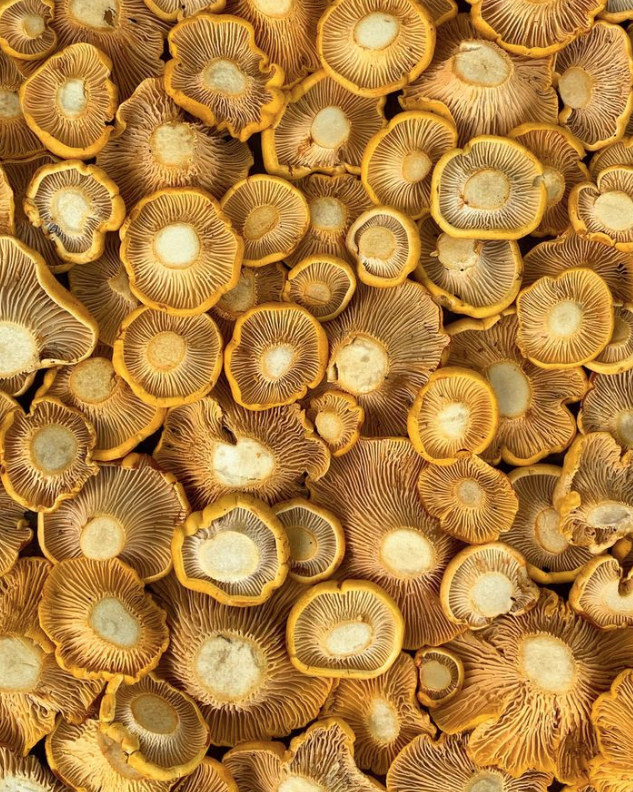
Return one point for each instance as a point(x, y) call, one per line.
point(177, 246)
point(609, 513)
point(453, 420)
point(361, 366)
point(244, 464)
point(487, 190)
point(53, 449)
point(377, 242)
point(318, 292)
point(349, 638)
point(70, 209)
point(491, 594)
point(615, 210)
point(457, 255)
point(229, 556)
point(416, 165)
point(92, 381)
point(376, 31)
point(274, 8)
point(98, 14)
point(277, 361)
point(328, 214)
point(330, 426)
point(486, 781)
point(406, 553)
point(547, 662)
point(72, 98)
point(173, 144)
point(102, 537)
point(554, 184)
point(18, 349)
point(330, 128)
point(261, 221)
point(120, 284)
point(20, 783)
point(21, 661)
point(242, 296)
point(297, 783)
point(382, 720)
point(33, 25)
point(512, 389)
point(166, 351)
point(153, 714)
point(547, 531)
point(435, 675)
point(624, 426)
point(113, 622)
point(576, 88)
point(229, 667)
point(225, 76)
point(9, 104)
point(482, 63)
point(470, 494)
point(304, 545)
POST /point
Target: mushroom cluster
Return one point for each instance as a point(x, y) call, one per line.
point(316, 395)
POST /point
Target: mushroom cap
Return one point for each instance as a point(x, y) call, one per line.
point(210, 775)
point(168, 360)
point(323, 128)
point(617, 356)
point(75, 205)
point(561, 154)
point(180, 251)
point(321, 284)
point(215, 447)
point(156, 145)
point(592, 493)
point(611, 715)
point(159, 729)
point(277, 352)
point(129, 510)
point(385, 244)
point(603, 212)
point(618, 153)
point(236, 551)
point(383, 348)
point(476, 277)
point(536, 532)
point(337, 419)
point(481, 88)
point(441, 675)
point(42, 323)
point(484, 582)
point(316, 539)
point(26, 771)
point(101, 620)
point(120, 419)
point(373, 50)
point(423, 760)
point(351, 629)
point(69, 101)
point(399, 160)
point(25, 31)
point(130, 35)
point(493, 188)
point(234, 663)
point(17, 140)
point(383, 713)
point(473, 501)
point(285, 31)
point(218, 74)
point(608, 407)
point(565, 321)
point(593, 76)
point(270, 214)
point(390, 538)
point(543, 30)
point(534, 420)
point(46, 454)
point(602, 593)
